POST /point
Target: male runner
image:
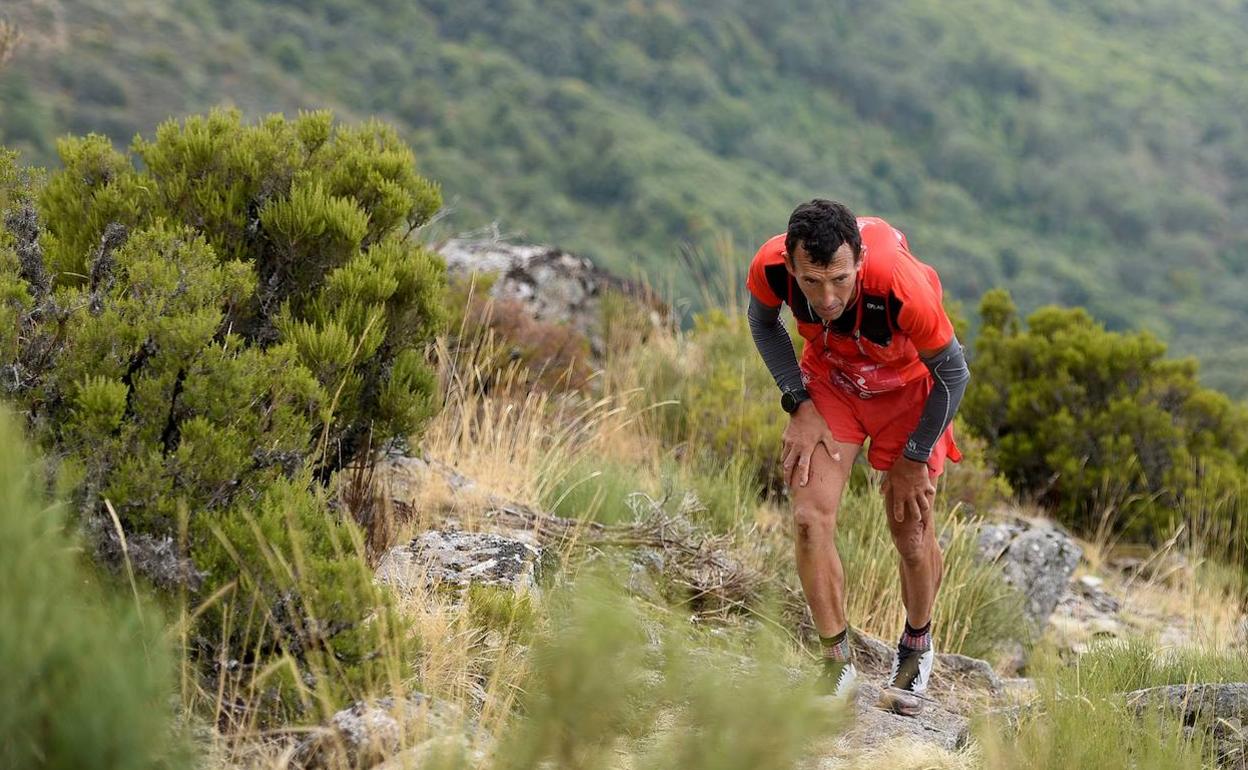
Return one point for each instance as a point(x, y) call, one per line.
point(880, 361)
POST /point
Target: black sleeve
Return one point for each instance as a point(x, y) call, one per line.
point(950, 375)
point(774, 345)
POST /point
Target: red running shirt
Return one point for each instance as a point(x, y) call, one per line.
point(873, 346)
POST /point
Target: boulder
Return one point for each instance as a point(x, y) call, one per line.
point(552, 284)
point(1037, 558)
point(873, 728)
point(1219, 710)
point(454, 558)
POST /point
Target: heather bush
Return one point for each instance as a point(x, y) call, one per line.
point(1100, 426)
point(203, 338)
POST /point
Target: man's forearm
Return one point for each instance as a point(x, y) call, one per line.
point(950, 375)
point(774, 345)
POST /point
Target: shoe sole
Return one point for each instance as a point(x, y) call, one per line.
point(907, 704)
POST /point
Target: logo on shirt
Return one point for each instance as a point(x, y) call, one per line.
point(874, 306)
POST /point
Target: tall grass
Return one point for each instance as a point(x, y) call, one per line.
point(975, 610)
point(1081, 719)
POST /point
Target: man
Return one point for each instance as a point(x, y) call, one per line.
point(881, 361)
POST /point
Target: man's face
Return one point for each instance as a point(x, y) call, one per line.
point(829, 288)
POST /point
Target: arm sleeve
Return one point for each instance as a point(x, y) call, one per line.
point(774, 345)
point(950, 376)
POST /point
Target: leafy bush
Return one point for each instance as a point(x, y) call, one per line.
point(87, 679)
point(1099, 425)
point(211, 336)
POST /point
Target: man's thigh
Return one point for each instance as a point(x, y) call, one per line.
point(827, 477)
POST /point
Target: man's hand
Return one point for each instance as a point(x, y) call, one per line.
point(806, 431)
point(909, 488)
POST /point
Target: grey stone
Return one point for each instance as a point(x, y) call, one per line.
point(873, 727)
point(1037, 559)
point(444, 557)
point(367, 732)
point(972, 671)
point(554, 285)
point(1196, 702)
point(1220, 710)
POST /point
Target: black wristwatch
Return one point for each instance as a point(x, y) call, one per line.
point(790, 400)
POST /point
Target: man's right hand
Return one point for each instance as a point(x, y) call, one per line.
point(807, 430)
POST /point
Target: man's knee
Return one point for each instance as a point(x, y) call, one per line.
point(814, 518)
point(912, 541)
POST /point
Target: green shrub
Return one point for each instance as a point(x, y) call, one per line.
point(1099, 425)
point(729, 494)
point(210, 338)
point(88, 680)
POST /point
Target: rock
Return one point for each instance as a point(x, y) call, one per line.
point(445, 557)
point(872, 727)
point(1220, 710)
point(1037, 558)
point(367, 732)
point(554, 285)
point(972, 672)
point(1196, 702)
point(1011, 657)
point(1089, 587)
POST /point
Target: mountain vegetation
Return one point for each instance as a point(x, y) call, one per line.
point(1086, 154)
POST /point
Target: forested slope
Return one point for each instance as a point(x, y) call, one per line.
point(1089, 153)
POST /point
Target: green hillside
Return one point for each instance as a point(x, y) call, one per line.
point(1089, 153)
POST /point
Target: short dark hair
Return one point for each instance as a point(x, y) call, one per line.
point(821, 227)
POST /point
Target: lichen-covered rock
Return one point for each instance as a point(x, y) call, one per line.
point(445, 557)
point(1037, 558)
point(554, 285)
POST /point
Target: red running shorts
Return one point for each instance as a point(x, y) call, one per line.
point(886, 418)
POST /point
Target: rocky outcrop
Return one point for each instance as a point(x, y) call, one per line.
point(1218, 710)
point(453, 558)
point(552, 284)
point(1037, 558)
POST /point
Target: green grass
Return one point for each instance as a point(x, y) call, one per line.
point(587, 488)
point(1082, 721)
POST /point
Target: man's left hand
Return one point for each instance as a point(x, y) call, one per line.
point(909, 488)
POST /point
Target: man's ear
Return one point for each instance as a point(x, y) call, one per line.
point(788, 263)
